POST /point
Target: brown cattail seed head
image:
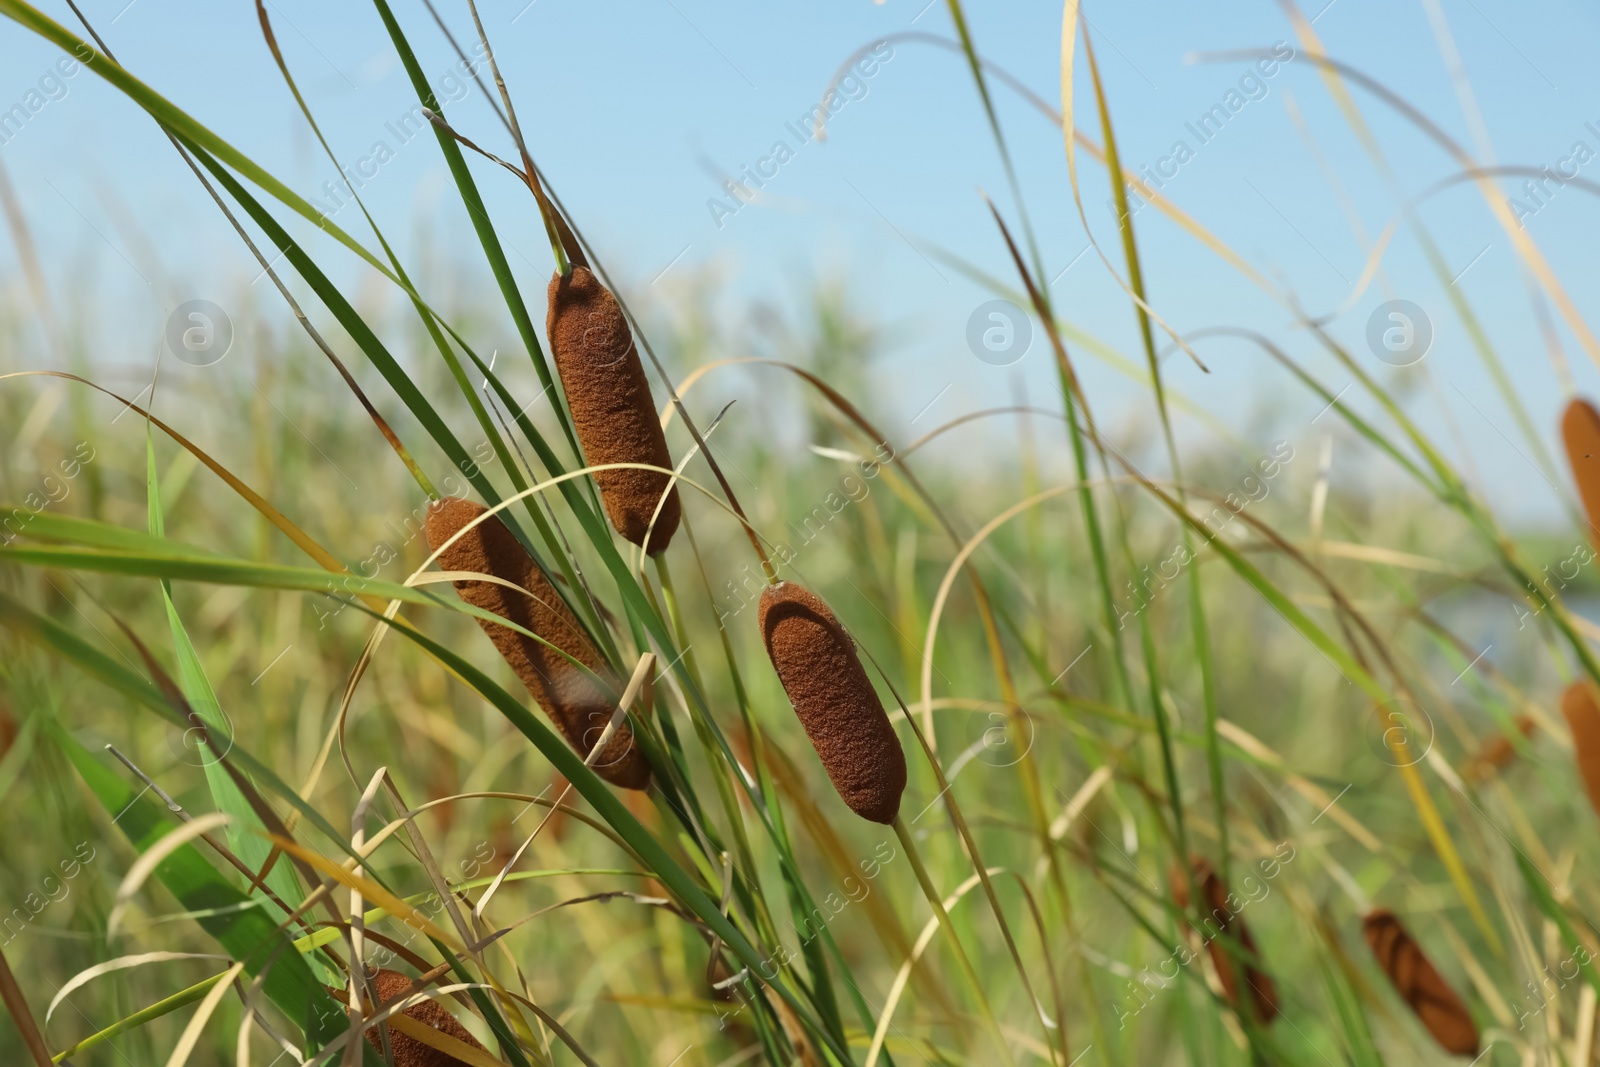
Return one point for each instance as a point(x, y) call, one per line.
point(1580, 432)
point(817, 663)
point(1419, 985)
point(1499, 750)
point(612, 409)
point(408, 1051)
point(578, 704)
point(1220, 922)
point(1583, 720)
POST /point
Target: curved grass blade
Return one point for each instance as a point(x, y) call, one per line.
point(248, 935)
point(1197, 611)
point(179, 122)
point(473, 201)
point(430, 323)
point(225, 794)
point(255, 499)
point(595, 791)
point(267, 268)
point(165, 1006)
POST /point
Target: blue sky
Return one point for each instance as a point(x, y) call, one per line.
point(633, 108)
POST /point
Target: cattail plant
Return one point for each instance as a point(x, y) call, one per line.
point(817, 663)
point(579, 704)
point(613, 412)
point(1220, 924)
point(1419, 985)
point(408, 1051)
point(1578, 707)
point(1580, 433)
point(1499, 750)
point(842, 716)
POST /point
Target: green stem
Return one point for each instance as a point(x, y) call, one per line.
point(943, 916)
point(139, 1018)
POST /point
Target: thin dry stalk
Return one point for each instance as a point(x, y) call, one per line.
point(17, 1004)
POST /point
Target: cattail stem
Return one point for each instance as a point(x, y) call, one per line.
point(641, 671)
point(970, 846)
point(967, 971)
point(714, 751)
point(669, 597)
point(529, 174)
point(767, 569)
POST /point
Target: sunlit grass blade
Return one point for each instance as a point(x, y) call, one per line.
point(248, 934)
point(1197, 611)
point(255, 499)
point(197, 688)
point(617, 815)
point(479, 216)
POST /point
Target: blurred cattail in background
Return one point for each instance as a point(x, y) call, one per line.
point(1583, 719)
point(1419, 985)
point(1498, 750)
point(579, 705)
point(1580, 432)
point(1219, 924)
point(613, 412)
point(817, 663)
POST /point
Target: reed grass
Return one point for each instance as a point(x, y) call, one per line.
point(1109, 798)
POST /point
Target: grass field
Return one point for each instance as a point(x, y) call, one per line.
point(1182, 722)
